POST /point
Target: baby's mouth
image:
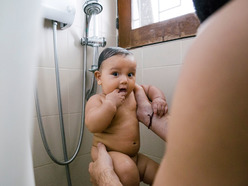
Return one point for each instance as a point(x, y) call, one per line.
point(122, 90)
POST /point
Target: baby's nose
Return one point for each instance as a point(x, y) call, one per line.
point(123, 79)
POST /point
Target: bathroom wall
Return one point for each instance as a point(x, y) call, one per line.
point(70, 56)
point(158, 65)
point(18, 54)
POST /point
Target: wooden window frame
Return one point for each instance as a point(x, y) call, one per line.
point(176, 28)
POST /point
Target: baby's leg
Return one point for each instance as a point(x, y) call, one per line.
point(125, 168)
point(147, 169)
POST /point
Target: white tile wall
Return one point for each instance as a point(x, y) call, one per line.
point(70, 56)
point(47, 90)
point(162, 54)
point(164, 78)
point(79, 171)
point(75, 85)
point(158, 65)
point(40, 156)
point(50, 174)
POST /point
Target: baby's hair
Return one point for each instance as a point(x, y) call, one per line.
point(112, 51)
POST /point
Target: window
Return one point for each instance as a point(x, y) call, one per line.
point(145, 12)
point(156, 22)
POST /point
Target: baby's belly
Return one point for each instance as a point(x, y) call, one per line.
point(125, 141)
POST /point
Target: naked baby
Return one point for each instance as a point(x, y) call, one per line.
point(111, 116)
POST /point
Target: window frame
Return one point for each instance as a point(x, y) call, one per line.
point(176, 28)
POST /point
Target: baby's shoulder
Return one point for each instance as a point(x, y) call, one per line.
point(94, 101)
point(97, 97)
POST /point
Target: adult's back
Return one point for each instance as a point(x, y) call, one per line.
point(208, 129)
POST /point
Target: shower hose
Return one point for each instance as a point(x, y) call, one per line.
point(42, 132)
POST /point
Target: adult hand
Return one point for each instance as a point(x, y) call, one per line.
point(102, 170)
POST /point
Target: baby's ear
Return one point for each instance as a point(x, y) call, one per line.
point(98, 77)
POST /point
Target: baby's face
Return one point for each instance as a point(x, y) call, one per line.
point(118, 72)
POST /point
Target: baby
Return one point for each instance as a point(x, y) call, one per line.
point(111, 116)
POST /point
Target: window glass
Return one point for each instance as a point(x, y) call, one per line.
point(145, 12)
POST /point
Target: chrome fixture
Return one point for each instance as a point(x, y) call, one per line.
point(91, 8)
point(94, 41)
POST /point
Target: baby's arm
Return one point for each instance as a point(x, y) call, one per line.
point(100, 110)
point(156, 96)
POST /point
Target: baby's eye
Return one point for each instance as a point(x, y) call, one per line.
point(115, 73)
point(131, 74)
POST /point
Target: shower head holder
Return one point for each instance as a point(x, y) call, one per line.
point(94, 41)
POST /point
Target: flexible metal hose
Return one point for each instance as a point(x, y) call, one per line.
point(42, 132)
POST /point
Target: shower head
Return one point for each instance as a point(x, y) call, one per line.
point(91, 7)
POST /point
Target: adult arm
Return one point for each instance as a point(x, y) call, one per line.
point(160, 126)
point(207, 138)
point(145, 110)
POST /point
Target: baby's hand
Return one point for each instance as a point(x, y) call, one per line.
point(116, 97)
point(159, 106)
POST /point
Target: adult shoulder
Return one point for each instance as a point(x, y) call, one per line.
point(207, 135)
